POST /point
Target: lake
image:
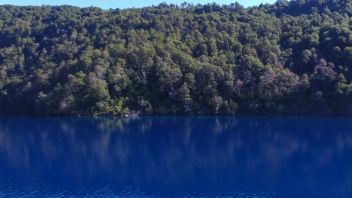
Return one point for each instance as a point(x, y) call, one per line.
point(176, 157)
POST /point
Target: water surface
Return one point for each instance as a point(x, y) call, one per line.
point(176, 157)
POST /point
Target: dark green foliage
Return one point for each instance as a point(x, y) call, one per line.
point(290, 57)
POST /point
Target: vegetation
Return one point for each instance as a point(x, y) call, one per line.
point(289, 57)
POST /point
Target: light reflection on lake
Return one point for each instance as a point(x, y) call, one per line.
point(176, 157)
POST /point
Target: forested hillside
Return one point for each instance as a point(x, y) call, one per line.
point(290, 57)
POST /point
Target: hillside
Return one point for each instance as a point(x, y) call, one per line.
point(287, 58)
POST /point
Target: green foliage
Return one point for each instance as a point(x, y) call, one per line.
point(288, 57)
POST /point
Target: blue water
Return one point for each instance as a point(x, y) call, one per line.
point(176, 157)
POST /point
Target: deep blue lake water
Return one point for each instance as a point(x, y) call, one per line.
point(176, 157)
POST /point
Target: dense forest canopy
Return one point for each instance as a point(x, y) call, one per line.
point(292, 57)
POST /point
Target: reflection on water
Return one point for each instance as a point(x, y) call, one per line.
point(176, 156)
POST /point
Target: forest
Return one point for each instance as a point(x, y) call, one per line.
point(290, 57)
